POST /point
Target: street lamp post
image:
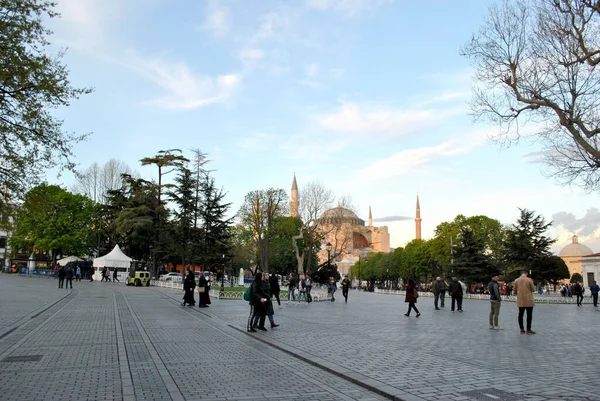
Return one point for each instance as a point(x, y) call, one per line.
point(222, 292)
point(328, 247)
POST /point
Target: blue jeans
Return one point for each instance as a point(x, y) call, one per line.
point(290, 294)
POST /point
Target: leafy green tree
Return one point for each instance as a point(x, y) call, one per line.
point(552, 269)
point(258, 214)
point(33, 83)
point(417, 260)
point(55, 220)
point(526, 245)
point(576, 277)
point(281, 253)
point(471, 262)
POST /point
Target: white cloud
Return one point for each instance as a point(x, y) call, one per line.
point(85, 23)
point(312, 70)
point(348, 7)
point(251, 56)
point(217, 19)
point(184, 89)
point(270, 26)
point(407, 161)
point(260, 141)
point(354, 118)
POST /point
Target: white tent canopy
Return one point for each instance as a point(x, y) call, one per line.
point(115, 258)
point(64, 261)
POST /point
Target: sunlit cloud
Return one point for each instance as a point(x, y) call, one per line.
point(184, 89)
point(348, 7)
point(217, 19)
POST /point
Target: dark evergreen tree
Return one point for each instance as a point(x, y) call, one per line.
point(551, 269)
point(526, 246)
point(215, 230)
point(183, 197)
point(470, 261)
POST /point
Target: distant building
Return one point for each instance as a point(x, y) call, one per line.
point(573, 254)
point(351, 239)
point(591, 269)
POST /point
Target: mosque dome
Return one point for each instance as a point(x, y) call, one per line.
point(339, 215)
point(575, 249)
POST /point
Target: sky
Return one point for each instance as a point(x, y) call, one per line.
point(368, 97)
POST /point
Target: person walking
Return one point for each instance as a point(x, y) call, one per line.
point(307, 288)
point(578, 291)
point(332, 287)
point(524, 290)
point(188, 287)
point(91, 272)
point(291, 288)
point(411, 297)
point(443, 289)
point(301, 284)
point(61, 276)
point(258, 300)
point(275, 289)
point(495, 302)
point(456, 293)
point(203, 291)
point(435, 290)
point(78, 274)
point(270, 312)
point(69, 277)
point(115, 276)
point(594, 289)
point(345, 287)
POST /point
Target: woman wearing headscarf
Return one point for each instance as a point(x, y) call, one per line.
point(203, 288)
point(188, 286)
point(411, 297)
point(258, 300)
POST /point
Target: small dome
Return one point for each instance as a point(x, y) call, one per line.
point(575, 249)
point(340, 215)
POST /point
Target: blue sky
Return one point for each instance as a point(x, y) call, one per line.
point(370, 97)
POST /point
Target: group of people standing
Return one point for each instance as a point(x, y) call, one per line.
point(189, 284)
point(303, 284)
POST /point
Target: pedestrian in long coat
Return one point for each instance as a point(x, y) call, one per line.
point(204, 297)
point(258, 300)
point(188, 286)
point(411, 297)
point(266, 286)
point(275, 289)
point(524, 289)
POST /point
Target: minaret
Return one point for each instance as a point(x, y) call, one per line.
point(294, 202)
point(418, 220)
point(370, 217)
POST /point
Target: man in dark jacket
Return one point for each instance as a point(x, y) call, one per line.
point(69, 276)
point(61, 276)
point(594, 289)
point(275, 289)
point(456, 293)
point(435, 290)
point(495, 302)
point(578, 291)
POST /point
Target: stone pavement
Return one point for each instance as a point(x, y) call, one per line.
point(104, 341)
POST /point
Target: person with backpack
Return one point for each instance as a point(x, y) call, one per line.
point(345, 287)
point(411, 297)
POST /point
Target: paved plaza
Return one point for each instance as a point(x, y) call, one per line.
point(105, 341)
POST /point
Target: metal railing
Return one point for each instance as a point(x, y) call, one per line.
point(539, 299)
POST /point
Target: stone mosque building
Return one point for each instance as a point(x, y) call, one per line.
point(350, 238)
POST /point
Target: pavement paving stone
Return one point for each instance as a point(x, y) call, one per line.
point(105, 341)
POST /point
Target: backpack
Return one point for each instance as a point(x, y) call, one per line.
point(415, 293)
point(248, 294)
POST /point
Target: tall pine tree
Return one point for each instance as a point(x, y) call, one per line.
point(471, 261)
point(526, 246)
